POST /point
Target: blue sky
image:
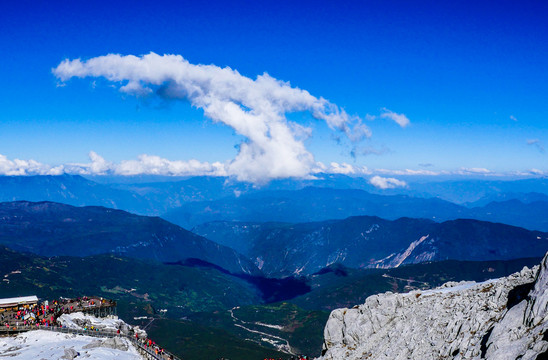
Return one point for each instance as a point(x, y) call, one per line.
point(471, 77)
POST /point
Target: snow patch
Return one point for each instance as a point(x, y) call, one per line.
point(43, 344)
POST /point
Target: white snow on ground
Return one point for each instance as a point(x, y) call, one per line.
point(44, 344)
point(454, 287)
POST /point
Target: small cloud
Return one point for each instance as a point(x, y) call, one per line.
point(426, 165)
point(364, 151)
point(386, 183)
point(473, 171)
point(407, 172)
point(512, 117)
point(536, 143)
point(400, 119)
point(536, 172)
point(343, 168)
point(97, 166)
point(358, 132)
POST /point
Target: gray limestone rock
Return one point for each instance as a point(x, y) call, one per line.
point(70, 354)
point(504, 318)
point(93, 344)
point(115, 343)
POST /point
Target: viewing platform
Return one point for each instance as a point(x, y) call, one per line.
point(24, 314)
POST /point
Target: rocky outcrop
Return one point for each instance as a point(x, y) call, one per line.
point(111, 343)
point(79, 320)
point(69, 354)
point(504, 318)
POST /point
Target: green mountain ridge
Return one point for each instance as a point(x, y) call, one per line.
point(50, 229)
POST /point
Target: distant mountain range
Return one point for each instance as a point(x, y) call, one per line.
point(476, 192)
point(193, 201)
point(70, 189)
point(311, 204)
point(271, 249)
point(318, 204)
point(531, 215)
point(471, 192)
point(282, 249)
point(53, 229)
point(524, 198)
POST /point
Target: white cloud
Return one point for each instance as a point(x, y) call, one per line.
point(156, 165)
point(143, 165)
point(343, 168)
point(400, 119)
point(340, 168)
point(26, 167)
point(256, 109)
point(408, 172)
point(97, 166)
point(147, 165)
point(368, 150)
point(473, 171)
point(536, 172)
point(512, 117)
point(536, 143)
point(386, 183)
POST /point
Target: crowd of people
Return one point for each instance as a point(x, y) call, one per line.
point(152, 347)
point(47, 313)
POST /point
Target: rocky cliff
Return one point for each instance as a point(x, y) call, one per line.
point(504, 318)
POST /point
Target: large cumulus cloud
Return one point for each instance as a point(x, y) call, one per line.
point(255, 108)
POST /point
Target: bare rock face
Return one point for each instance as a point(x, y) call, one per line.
point(504, 318)
point(115, 343)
